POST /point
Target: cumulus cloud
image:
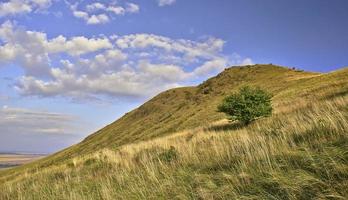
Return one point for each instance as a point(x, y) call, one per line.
point(236, 59)
point(76, 45)
point(217, 64)
point(95, 6)
point(132, 8)
point(25, 48)
point(42, 3)
point(81, 14)
point(190, 50)
point(117, 10)
point(164, 72)
point(91, 19)
point(14, 7)
point(246, 61)
point(136, 65)
point(126, 82)
point(100, 13)
point(31, 49)
point(165, 2)
point(98, 19)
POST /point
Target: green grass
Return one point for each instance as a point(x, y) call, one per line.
point(301, 152)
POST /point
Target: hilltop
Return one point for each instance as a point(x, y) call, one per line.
point(179, 141)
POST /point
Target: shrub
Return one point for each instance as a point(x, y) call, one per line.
point(169, 155)
point(247, 105)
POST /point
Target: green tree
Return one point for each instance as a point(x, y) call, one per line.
point(247, 105)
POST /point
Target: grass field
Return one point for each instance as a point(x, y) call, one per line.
point(300, 152)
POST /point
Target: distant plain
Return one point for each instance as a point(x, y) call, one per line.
point(11, 160)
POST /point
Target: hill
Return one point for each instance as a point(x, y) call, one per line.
point(178, 142)
point(189, 107)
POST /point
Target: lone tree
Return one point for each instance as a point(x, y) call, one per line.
point(247, 105)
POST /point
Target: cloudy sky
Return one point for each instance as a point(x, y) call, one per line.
point(67, 68)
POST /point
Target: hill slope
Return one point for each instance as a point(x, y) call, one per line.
point(131, 157)
point(190, 107)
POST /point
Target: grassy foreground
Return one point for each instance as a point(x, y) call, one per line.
point(298, 155)
point(301, 152)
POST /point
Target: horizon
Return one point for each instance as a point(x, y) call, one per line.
point(68, 68)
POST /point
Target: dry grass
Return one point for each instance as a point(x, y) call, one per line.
point(300, 154)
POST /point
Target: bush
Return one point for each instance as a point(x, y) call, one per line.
point(169, 155)
point(247, 105)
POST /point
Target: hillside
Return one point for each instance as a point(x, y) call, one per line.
point(190, 107)
point(179, 141)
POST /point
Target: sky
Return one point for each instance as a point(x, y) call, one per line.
point(68, 68)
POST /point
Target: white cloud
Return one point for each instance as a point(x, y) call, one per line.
point(165, 2)
point(76, 45)
point(17, 40)
point(95, 6)
point(42, 3)
point(136, 65)
point(210, 66)
point(191, 50)
point(99, 13)
point(8, 52)
point(117, 10)
point(125, 82)
point(15, 7)
point(32, 49)
point(236, 59)
point(164, 72)
point(81, 15)
point(98, 19)
point(132, 8)
point(247, 61)
point(25, 48)
point(93, 19)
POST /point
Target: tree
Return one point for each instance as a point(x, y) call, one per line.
point(247, 105)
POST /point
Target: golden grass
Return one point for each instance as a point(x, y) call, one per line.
point(292, 155)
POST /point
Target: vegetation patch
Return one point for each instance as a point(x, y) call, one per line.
point(169, 155)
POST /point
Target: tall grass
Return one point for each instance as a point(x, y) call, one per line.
point(301, 152)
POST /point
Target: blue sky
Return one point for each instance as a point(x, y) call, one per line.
point(67, 68)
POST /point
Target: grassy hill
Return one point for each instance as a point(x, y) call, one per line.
point(177, 146)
